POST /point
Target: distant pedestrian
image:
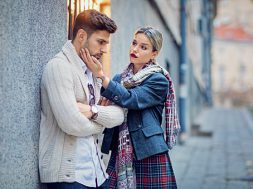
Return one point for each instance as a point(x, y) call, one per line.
point(140, 156)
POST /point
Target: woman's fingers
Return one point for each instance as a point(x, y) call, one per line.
point(83, 55)
point(92, 63)
point(103, 101)
point(108, 102)
point(89, 59)
point(96, 61)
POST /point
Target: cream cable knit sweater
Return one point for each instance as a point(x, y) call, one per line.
point(63, 84)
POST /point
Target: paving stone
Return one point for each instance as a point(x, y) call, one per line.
point(217, 162)
point(237, 185)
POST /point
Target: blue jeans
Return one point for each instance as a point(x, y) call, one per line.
point(74, 185)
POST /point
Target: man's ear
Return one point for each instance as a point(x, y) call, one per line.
point(82, 35)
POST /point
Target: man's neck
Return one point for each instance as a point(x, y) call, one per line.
point(77, 46)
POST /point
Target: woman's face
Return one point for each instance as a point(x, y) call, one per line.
point(141, 50)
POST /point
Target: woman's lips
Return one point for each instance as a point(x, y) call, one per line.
point(133, 55)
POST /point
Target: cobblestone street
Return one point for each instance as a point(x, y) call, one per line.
point(220, 156)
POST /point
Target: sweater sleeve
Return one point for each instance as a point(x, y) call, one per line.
point(58, 81)
point(110, 116)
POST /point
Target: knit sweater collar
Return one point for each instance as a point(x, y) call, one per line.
point(70, 52)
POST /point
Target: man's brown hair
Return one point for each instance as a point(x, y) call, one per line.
point(92, 20)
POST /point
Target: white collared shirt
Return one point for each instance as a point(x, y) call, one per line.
point(89, 165)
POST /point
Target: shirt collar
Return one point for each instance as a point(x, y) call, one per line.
point(71, 53)
point(86, 71)
point(83, 65)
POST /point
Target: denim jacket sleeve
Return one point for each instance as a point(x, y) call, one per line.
point(151, 92)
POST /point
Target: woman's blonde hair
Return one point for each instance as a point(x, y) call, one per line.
point(155, 37)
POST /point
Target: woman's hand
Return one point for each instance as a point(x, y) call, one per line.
point(105, 102)
point(94, 66)
point(85, 110)
point(92, 63)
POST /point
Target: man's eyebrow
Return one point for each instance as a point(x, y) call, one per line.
point(103, 40)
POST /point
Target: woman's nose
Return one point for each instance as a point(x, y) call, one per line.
point(135, 49)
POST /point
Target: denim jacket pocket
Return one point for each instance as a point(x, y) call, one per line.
point(150, 131)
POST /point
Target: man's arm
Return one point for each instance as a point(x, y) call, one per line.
point(108, 116)
point(58, 81)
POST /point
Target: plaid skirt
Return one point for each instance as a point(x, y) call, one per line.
point(152, 172)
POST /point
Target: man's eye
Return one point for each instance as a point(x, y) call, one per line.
point(101, 42)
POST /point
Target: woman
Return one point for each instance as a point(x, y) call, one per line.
point(139, 157)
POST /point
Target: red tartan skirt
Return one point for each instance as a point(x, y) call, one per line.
point(152, 172)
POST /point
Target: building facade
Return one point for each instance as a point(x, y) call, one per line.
point(233, 53)
point(199, 37)
point(32, 32)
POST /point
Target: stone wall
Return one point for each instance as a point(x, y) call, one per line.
point(31, 32)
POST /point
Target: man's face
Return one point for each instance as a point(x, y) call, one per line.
point(97, 43)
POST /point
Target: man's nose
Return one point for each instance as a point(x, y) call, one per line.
point(104, 49)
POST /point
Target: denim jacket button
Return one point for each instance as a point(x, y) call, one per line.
point(116, 98)
point(139, 125)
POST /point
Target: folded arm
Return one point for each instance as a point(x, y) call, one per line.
point(108, 116)
point(58, 81)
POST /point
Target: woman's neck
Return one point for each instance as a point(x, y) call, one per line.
point(137, 68)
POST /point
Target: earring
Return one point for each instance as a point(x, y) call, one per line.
point(152, 61)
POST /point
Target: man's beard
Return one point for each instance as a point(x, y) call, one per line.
point(98, 56)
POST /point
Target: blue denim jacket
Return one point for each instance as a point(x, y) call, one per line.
point(145, 105)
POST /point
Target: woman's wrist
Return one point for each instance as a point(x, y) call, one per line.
point(102, 77)
point(106, 82)
point(103, 80)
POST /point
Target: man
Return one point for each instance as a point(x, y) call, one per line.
point(69, 156)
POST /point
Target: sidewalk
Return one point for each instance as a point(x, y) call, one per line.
point(221, 161)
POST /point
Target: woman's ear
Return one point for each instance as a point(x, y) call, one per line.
point(154, 54)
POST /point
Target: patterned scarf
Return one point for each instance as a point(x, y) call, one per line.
point(124, 158)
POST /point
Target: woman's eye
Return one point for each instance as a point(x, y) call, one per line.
point(134, 43)
point(143, 47)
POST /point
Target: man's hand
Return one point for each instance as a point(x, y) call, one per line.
point(85, 110)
